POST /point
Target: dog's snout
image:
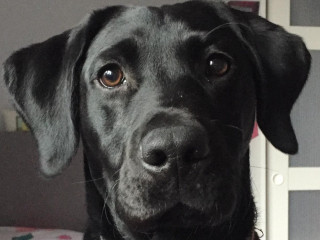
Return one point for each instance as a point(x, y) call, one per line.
point(174, 145)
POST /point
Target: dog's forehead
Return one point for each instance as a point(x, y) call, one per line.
point(147, 26)
point(157, 34)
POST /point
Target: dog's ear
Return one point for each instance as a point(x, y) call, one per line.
point(283, 64)
point(43, 80)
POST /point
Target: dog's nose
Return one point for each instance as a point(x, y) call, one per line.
point(167, 145)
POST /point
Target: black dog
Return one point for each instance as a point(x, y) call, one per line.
point(164, 100)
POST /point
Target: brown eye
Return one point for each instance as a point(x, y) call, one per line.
point(217, 65)
point(111, 76)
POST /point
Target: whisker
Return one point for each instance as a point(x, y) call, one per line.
point(106, 200)
point(116, 172)
point(232, 126)
point(87, 181)
point(224, 25)
point(219, 122)
point(104, 208)
point(264, 168)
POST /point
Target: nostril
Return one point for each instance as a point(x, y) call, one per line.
point(156, 158)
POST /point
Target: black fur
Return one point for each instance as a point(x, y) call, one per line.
point(201, 125)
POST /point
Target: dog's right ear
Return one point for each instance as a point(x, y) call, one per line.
point(282, 62)
point(43, 80)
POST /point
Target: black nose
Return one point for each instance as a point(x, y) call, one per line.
point(167, 145)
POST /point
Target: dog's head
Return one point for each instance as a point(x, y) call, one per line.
point(164, 100)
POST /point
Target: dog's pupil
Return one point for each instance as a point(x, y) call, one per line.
point(112, 75)
point(218, 66)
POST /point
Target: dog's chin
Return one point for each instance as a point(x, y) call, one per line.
point(179, 216)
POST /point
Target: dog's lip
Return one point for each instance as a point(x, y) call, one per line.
point(178, 216)
point(180, 211)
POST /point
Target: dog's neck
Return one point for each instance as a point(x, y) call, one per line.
point(254, 236)
point(238, 228)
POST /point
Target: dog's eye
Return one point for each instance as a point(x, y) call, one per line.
point(111, 76)
point(217, 65)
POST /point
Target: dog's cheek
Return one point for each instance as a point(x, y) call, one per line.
point(214, 190)
point(140, 198)
point(102, 125)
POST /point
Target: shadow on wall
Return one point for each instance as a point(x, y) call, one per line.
point(29, 200)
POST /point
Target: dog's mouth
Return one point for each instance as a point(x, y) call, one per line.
point(192, 211)
point(179, 216)
point(182, 216)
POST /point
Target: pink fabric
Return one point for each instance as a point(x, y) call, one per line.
point(65, 237)
point(25, 229)
point(255, 132)
point(8, 233)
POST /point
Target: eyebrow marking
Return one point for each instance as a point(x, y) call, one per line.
point(126, 49)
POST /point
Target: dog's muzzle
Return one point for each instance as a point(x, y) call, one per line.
point(179, 172)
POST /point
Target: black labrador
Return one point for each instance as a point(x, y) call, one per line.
point(164, 100)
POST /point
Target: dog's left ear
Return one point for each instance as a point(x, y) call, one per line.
point(43, 80)
point(283, 64)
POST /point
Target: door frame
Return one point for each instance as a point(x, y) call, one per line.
point(281, 179)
